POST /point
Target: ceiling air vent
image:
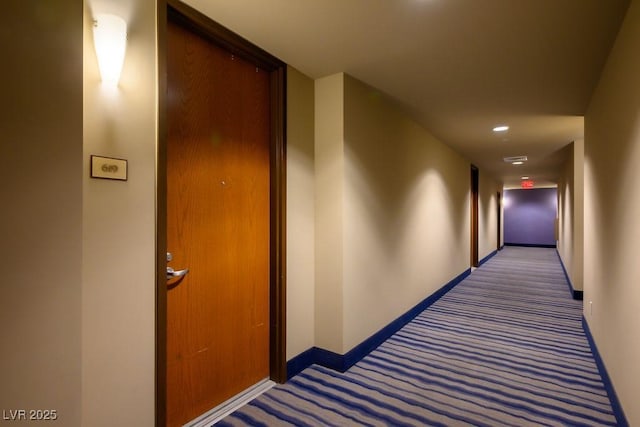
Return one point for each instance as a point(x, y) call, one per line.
point(515, 159)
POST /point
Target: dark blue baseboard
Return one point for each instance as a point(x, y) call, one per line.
point(530, 245)
point(621, 420)
point(301, 362)
point(341, 362)
point(487, 258)
point(579, 295)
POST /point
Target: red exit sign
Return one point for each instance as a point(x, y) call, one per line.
point(527, 183)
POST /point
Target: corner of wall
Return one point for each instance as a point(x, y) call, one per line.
point(578, 215)
point(300, 213)
point(488, 211)
point(329, 178)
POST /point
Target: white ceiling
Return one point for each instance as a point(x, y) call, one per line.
point(459, 67)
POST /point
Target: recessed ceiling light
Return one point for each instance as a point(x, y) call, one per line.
point(501, 128)
point(524, 177)
point(517, 163)
point(515, 159)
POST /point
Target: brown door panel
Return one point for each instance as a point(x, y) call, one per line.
point(218, 224)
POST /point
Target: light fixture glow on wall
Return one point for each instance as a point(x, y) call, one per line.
point(110, 41)
point(501, 128)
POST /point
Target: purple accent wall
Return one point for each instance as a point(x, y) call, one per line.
point(530, 216)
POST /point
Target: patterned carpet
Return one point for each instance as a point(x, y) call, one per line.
point(505, 347)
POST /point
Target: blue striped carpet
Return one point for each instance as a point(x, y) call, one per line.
point(503, 348)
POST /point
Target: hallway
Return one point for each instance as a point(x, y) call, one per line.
point(504, 347)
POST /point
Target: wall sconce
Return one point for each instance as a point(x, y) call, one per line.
point(110, 41)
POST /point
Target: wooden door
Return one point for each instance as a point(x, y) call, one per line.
point(218, 224)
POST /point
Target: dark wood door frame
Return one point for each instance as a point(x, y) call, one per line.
point(475, 184)
point(185, 15)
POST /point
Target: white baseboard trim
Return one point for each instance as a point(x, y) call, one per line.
point(225, 408)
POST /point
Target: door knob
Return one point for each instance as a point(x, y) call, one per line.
point(171, 273)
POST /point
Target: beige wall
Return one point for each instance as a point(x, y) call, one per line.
point(565, 212)
point(612, 209)
point(300, 213)
point(392, 213)
point(118, 274)
point(41, 251)
point(571, 214)
point(78, 301)
point(487, 215)
point(329, 199)
point(577, 265)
